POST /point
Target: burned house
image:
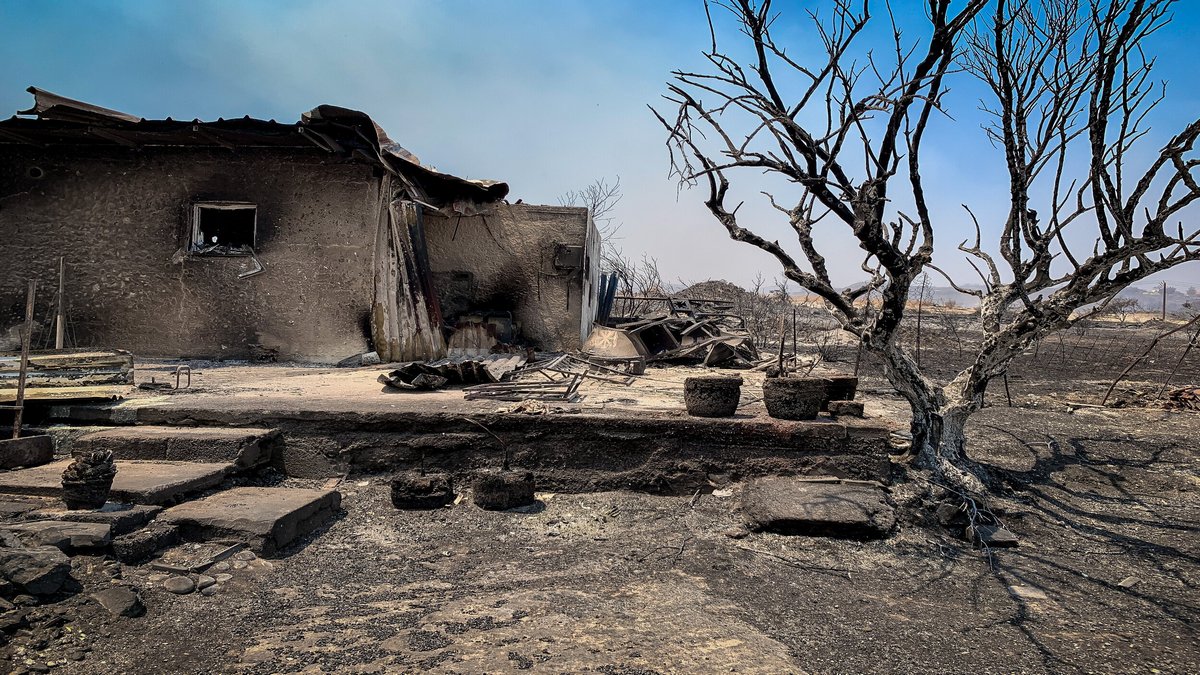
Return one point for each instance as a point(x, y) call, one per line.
point(247, 238)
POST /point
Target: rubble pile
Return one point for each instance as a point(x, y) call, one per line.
point(1178, 398)
point(1184, 398)
point(687, 331)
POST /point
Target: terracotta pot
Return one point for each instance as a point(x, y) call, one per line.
point(712, 395)
point(794, 398)
point(86, 494)
point(841, 388)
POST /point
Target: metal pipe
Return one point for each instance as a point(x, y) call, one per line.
point(26, 338)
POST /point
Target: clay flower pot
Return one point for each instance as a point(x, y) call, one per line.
point(794, 398)
point(87, 481)
point(840, 388)
point(712, 395)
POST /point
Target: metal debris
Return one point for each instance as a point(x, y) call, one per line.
point(701, 332)
point(563, 388)
point(453, 370)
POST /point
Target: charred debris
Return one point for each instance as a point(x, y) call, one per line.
point(677, 331)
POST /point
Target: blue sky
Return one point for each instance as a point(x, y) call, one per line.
point(546, 95)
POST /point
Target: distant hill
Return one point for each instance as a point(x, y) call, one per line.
point(1149, 297)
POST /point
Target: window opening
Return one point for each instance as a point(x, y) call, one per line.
point(223, 228)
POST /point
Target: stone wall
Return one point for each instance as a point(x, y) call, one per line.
point(120, 217)
point(504, 261)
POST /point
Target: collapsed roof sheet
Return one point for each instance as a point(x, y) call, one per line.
point(63, 121)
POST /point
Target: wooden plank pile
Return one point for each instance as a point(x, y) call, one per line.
point(62, 374)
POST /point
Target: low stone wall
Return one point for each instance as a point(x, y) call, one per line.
point(568, 452)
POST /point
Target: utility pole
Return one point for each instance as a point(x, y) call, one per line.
point(1164, 301)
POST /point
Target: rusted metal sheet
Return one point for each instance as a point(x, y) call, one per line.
point(403, 326)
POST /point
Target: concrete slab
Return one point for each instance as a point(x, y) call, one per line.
point(245, 447)
point(26, 451)
point(121, 518)
point(848, 510)
point(14, 508)
point(65, 536)
point(136, 482)
point(266, 518)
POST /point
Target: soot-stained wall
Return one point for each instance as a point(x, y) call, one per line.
point(120, 216)
point(505, 261)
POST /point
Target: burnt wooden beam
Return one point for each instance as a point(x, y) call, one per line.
point(323, 141)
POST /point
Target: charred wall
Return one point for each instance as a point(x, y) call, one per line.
point(120, 217)
point(506, 261)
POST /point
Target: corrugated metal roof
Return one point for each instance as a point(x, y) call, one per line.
point(61, 121)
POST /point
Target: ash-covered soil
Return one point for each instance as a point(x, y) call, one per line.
point(1106, 504)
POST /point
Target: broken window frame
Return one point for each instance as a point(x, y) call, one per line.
point(199, 247)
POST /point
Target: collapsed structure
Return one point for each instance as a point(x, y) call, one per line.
point(248, 238)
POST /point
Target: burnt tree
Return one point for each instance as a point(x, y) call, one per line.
point(1069, 91)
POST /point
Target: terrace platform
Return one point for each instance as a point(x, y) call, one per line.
point(331, 421)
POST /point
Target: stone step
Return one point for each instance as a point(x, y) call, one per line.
point(67, 536)
point(244, 447)
point(137, 482)
point(818, 507)
point(265, 518)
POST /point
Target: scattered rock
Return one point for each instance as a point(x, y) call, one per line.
point(819, 508)
point(13, 620)
point(1129, 582)
point(203, 581)
point(992, 536)
point(503, 490)
point(846, 408)
point(25, 601)
point(1027, 592)
point(412, 490)
point(736, 532)
point(137, 546)
point(219, 567)
point(240, 564)
point(179, 585)
point(209, 590)
point(121, 518)
point(951, 515)
point(65, 536)
point(37, 571)
point(244, 556)
point(120, 601)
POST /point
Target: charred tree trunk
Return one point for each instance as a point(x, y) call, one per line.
point(939, 418)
